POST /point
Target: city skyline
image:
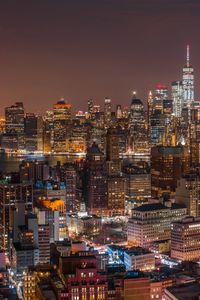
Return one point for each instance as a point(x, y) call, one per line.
point(92, 50)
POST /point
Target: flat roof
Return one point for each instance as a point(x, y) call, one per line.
point(150, 207)
point(185, 291)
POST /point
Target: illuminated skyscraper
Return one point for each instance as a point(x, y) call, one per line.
point(90, 108)
point(14, 116)
point(14, 127)
point(107, 112)
point(137, 124)
point(149, 109)
point(177, 97)
point(48, 131)
point(112, 152)
point(61, 121)
point(118, 111)
point(161, 94)
point(188, 82)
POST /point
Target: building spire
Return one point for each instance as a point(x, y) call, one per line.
point(188, 55)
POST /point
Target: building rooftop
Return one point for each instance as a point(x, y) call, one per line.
point(134, 274)
point(177, 206)
point(189, 291)
point(189, 219)
point(150, 207)
point(136, 251)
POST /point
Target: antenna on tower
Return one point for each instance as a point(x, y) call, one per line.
point(188, 55)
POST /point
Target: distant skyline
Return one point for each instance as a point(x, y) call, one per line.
point(82, 49)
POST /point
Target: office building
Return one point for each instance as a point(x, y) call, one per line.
point(107, 112)
point(168, 165)
point(25, 249)
point(137, 258)
point(33, 129)
point(116, 195)
point(12, 193)
point(95, 181)
point(61, 125)
point(44, 243)
point(151, 222)
point(177, 97)
point(14, 127)
point(188, 193)
point(185, 239)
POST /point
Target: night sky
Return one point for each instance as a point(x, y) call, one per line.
point(81, 49)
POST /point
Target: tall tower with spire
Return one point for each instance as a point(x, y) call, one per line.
point(188, 82)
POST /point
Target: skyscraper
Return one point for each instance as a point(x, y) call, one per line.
point(161, 94)
point(33, 132)
point(61, 121)
point(177, 97)
point(90, 108)
point(11, 194)
point(14, 127)
point(107, 112)
point(14, 116)
point(95, 185)
point(138, 131)
point(118, 111)
point(188, 82)
point(112, 152)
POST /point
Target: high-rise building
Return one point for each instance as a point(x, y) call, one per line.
point(44, 243)
point(118, 111)
point(115, 180)
point(71, 186)
point(188, 82)
point(150, 108)
point(95, 181)
point(138, 186)
point(25, 248)
point(61, 125)
point(157, 128)
point(14, 127)
point(48, 132)
point(177, 97)
point(51, 217)
point(112, 152)
point(116, 195)
point(161, 93)
point(185, 239)
point(168, 164)
point(90, 108)
point(188, 193)
point(2, 125)
point(107, 112)
point(50, 206)
point(33, 132)
point(14, 116)
point(138, 127)
point(10, 195)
